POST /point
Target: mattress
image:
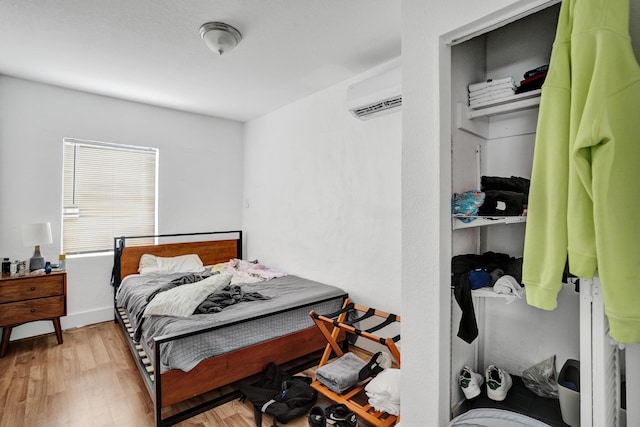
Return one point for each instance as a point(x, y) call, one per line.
point(236, 326)
point(491, 417)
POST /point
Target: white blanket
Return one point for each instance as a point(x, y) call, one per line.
point(183, 300)
point(247, 271)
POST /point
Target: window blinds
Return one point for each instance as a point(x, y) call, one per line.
point(109, 191)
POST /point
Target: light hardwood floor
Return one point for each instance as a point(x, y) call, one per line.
point(91, 380)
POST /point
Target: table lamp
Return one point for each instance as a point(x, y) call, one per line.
point(36, 235)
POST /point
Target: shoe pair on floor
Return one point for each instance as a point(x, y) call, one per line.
point(498, 382)
point(338, 415)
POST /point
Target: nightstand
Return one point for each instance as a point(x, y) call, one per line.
point(26, 299)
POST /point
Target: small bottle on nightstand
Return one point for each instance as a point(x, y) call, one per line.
point(61, 262)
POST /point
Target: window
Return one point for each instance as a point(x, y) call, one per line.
point(109, 190)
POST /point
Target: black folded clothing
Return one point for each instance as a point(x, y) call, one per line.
point(532, 83)
point(535, 71)
point(533, 79)
point(502, 203)
point(514, 183)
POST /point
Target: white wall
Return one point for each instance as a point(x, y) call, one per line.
point(322, 195)
point(200, 177)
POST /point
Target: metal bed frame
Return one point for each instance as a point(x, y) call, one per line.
point(213, 374)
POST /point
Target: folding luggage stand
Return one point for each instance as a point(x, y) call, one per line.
point(355, 398)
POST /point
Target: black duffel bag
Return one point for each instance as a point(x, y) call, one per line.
point(279, 394)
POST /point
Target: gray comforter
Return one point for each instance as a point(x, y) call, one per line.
point(238, 325)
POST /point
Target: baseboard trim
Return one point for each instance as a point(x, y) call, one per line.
point(73, 320)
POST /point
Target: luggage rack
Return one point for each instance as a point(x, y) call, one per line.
point(331, 325)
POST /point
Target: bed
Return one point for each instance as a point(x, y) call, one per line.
point(183, 357)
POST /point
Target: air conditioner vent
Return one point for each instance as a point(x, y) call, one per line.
point(377, 95)
point(378, 107)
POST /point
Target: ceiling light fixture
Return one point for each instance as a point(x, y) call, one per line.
point(220, 37)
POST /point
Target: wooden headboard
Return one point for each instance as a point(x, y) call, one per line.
point(210, 252)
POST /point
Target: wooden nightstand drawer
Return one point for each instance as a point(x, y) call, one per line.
point(30, 310)
point(35, 287)
point(29, 298)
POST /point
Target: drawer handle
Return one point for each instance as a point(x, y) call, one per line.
point(33, 310)
point(33, 288)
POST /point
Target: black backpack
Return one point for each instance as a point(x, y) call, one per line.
point(279, 394)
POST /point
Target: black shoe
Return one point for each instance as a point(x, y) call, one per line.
point(340, 416)
point(372, 368)
point(317, 418)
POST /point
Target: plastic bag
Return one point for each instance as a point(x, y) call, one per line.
point(542, 379)
point(465, 205)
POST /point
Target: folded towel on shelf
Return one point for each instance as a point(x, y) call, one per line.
point(342, 373)
point(491, 99)
point(384, 391)
point(490, 89)
point(491, 94)
point(491, 82)
point(493, 90)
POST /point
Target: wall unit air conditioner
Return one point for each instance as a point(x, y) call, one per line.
point(377, 95)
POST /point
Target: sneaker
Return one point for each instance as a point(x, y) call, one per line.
point(498, 383)
point(470, 382)
point(340, 416)
point(317, 418)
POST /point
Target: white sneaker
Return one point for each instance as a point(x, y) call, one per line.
point(498, 383)
point(470, 382)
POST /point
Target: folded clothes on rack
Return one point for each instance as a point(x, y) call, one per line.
point(496, 94)
point(513, 183)
point(490, 82)
point(342, 373)
point(490, 90)
point(503, 203)
point(533, 79)
point(504, 196)
point(538, 70)
point(491, 100)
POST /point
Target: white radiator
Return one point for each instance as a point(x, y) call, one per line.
point(633, 384)
point(601, 363)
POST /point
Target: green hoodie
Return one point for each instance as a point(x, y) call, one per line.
point(584, 200)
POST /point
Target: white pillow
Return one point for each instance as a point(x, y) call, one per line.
point(148, 264)
point(183, 300)
point(179, 264)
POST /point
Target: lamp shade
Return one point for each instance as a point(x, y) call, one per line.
point(220, 37)
point(36, 234)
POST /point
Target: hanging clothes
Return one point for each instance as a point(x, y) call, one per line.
point(584, 200)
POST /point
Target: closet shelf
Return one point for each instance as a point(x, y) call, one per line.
point(480, 221)
point(477, 121)
point(520, 101)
